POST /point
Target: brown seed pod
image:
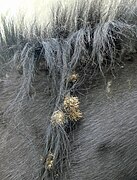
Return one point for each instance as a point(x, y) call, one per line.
point(58, 117)
point(71, 107)
point(73, 77)
point(49, 161)
point(71, 101)
point(75, 114)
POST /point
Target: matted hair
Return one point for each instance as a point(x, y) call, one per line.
point(79, 42)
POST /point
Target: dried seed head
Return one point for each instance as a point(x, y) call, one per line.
point(71, 102)
point(71, 107)
point(75, 114)
point(73, 78)
point(58, 117)
point(49, 161)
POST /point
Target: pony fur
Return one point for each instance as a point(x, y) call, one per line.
point(95, 41)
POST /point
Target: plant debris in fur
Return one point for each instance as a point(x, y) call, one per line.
point(78, 41)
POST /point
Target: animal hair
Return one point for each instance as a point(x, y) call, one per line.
point(85, 39)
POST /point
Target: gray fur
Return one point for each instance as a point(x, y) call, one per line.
point(35, 67)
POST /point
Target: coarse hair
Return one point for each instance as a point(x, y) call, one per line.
point(77, 44)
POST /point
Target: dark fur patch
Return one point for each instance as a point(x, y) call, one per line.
point(81, 39)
